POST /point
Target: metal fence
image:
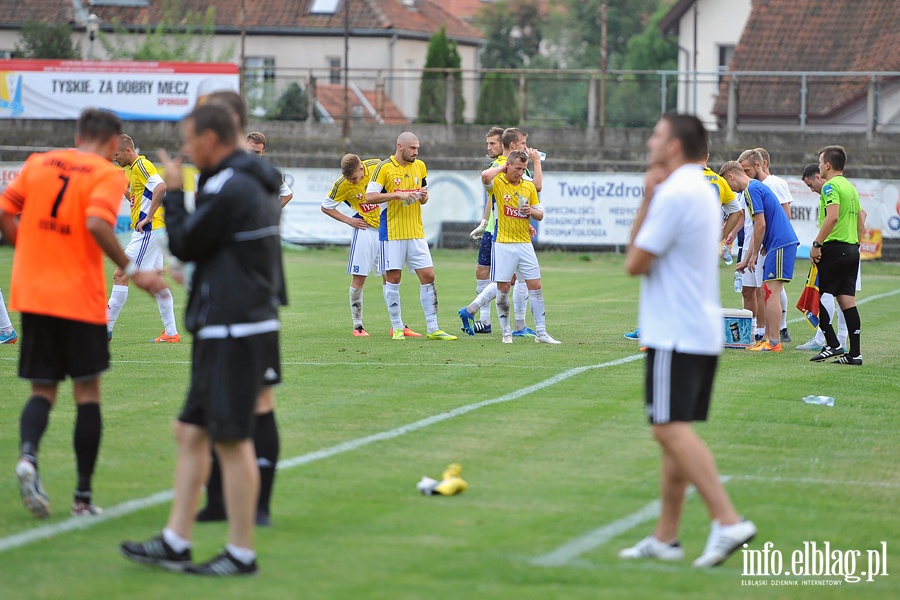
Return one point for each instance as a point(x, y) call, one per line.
point(815, 101)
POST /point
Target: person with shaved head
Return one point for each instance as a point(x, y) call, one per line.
point(399, 186)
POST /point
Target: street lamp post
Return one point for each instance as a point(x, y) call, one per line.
point(93, 26)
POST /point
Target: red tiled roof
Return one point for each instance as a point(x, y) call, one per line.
point(808, 35)
point(271, 16)
point(374, 109)
point(47, 11)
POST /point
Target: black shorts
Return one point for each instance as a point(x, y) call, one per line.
point(54, 348)
point(484, 251)
point(678, 386)
point(227, 375)
point(838, 268)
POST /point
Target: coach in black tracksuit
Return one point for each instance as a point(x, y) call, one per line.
point(238, 286)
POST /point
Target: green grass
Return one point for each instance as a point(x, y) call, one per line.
point(544, 468)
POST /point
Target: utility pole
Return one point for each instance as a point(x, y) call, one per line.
point(603, 67)
point(346, 129)
point(243, 45)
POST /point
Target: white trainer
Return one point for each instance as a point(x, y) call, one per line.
point(650, 547)
point(507, 338)
point(723, 540)
point(810, 345)
point(545, 338)
point(33, 494)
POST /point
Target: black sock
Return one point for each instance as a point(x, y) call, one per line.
point(88, 430)
point(826, 327)
point(32, 425)
point(851, 316)
point(267, 445)
point(215, 499)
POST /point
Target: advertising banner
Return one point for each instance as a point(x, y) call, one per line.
point(134, 90)
point(581, 209)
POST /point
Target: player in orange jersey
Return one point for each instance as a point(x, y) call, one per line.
point(66, 202)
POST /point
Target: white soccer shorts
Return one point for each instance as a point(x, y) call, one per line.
point(412, 253)
point(146, 250)
point(520, 259)
point(365, 251)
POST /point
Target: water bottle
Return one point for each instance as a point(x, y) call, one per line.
point(726, 254)
point(738, 282)
point(823, 400)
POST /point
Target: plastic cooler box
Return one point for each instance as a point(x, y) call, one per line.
point(737, 331)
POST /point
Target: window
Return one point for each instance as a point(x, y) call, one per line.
point(259, 82)
point(6, 54)
point(324, 7)
point(725, 54)
point(334, 69)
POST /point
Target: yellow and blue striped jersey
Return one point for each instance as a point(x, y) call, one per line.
point(721, 188)
point(354, 194)
point(510, 228)
point(142, 180)
point(398, 220)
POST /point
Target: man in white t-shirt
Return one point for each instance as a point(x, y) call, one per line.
point(674, 239)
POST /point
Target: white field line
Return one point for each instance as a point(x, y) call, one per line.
point(575, 547)
point(46, 531)
point(567, 554)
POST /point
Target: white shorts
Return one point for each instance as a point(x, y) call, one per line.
point(520, 259)
point(753, 278)
point(413, 253)
point(364, 253)
point(146, 250)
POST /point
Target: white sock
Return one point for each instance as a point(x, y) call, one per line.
point(5, 323)
point(760, 331)
point(828, 301)
point(520, 301)
point(392, 299)
point(166, 305)
point(245, 555)
point(114, 306)
point(503, 311)
point(485, 308)
point(784, 302)
point(483, 301)
point(537, 310)
point(428, 297)
point(356, 304)
point(175, 541)
point(842, 327)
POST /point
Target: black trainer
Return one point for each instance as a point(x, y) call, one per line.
point(223, 565)
point(785, 336)
point(482, 327)
point(156, 552)
point(846, 359)
point(826, 353)
point(262, 519)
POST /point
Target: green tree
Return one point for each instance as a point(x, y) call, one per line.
point(179, 35)
point(634, 100)
point(442, 54)
point(497, 102)
point(512, 31)
point(572, 40)
point(292, 104)
point(46, 40)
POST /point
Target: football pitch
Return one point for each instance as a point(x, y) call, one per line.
point(562, 467)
